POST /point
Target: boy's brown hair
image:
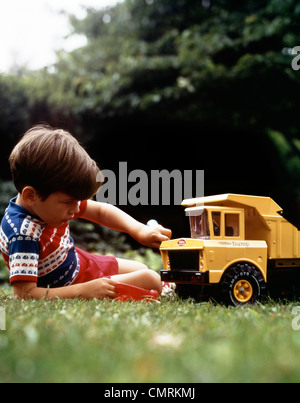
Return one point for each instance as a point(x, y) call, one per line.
point(51, 160)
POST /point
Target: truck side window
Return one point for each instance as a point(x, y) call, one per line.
point(216, 219)
point(232, 227)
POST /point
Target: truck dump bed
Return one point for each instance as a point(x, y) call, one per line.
point(263, 221)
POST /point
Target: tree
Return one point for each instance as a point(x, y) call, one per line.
point(221, 57)
point(223, 65)
point(216, 73)
point(14, 116)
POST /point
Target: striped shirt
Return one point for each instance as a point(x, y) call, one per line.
point(34, 251)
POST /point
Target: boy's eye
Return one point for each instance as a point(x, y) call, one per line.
point(71, 202)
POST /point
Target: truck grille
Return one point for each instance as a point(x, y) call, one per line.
point(184, 260)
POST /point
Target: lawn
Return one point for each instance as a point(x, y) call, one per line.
point(167, 341)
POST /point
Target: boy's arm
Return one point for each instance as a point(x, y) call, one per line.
point(100, 288)
point(114, 218)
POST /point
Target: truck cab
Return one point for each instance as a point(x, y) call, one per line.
point(227, 250)
point(216, 223)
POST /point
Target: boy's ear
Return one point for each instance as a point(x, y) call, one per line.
point(29, 195)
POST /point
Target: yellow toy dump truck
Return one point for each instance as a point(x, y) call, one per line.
point(240, 246)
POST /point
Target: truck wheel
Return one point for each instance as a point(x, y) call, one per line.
point(242, 284)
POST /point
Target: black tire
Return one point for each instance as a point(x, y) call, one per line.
point(241, 284)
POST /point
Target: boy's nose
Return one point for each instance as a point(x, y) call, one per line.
point(75, 209)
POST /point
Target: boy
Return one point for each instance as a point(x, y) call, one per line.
point(55, 178)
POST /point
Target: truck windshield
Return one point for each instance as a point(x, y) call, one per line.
point(199, 225)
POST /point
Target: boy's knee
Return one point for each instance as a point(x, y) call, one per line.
point(141, 266)
point(153, 279)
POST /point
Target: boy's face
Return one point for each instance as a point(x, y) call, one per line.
point(57, 209)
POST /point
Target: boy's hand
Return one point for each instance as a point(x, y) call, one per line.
point(153, 236)
point(99, 288)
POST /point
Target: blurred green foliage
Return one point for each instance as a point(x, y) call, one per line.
point(225, 61)
point(189, 59)
point(221, 64)
point(143, 54)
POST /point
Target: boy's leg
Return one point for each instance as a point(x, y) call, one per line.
point(137, 274)
point(129, 266)
point(120, 270)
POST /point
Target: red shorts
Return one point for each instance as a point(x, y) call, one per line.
point(95, 266)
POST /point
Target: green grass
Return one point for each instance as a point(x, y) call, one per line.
point(170, 341)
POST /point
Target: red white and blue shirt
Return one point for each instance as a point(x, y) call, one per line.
point(34, 251)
